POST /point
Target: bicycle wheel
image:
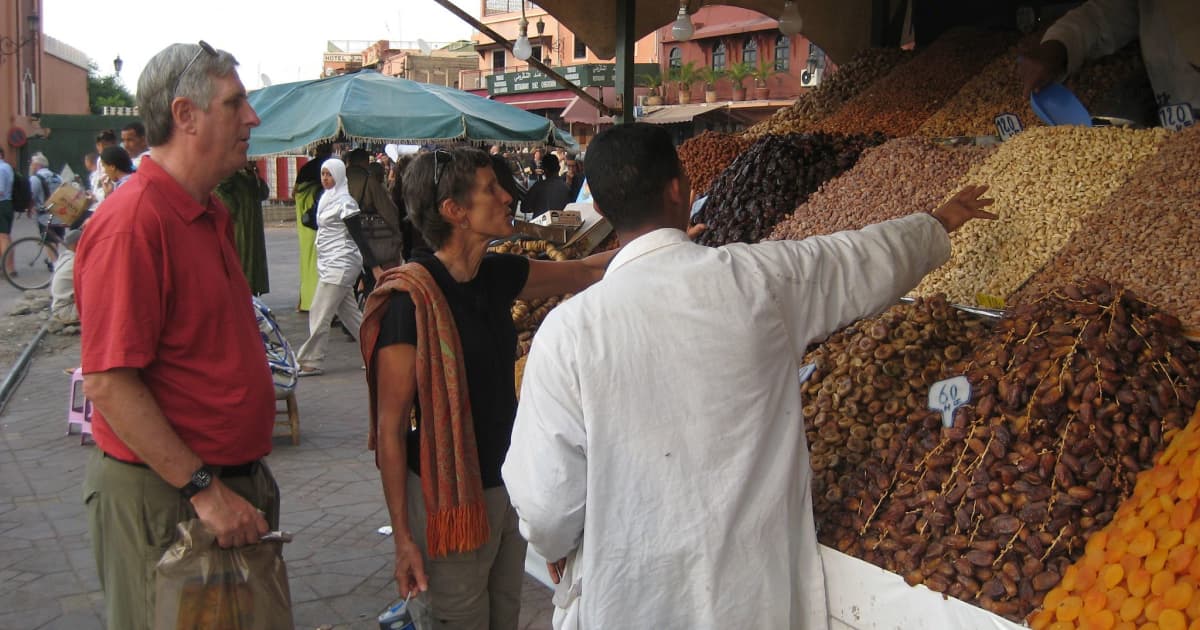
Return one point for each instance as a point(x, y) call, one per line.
point(27, 263)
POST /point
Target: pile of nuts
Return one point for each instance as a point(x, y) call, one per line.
point(896, 179)
point(1097, 79)
point(706, 155)
point(870, 377)
point(766, 183)
point(1072, 398)
point(1143, 567)
point(900, 102)
point(1143, 236)
point(851, 78)
point(995, 90)
point(1044, 181)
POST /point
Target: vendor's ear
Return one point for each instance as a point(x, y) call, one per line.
point(677, 192)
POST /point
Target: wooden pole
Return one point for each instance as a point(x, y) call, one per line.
point(625, 43)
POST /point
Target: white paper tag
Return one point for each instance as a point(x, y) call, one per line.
point(1008, 125)
point(948, 395)
point(806, 372)
point(1176, 117)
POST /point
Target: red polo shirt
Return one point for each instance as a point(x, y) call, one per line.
point(160, 289)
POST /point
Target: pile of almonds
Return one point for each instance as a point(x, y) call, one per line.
point(898, 178)
point(766, 183)
point(1044, 181)
point(900, 102)
point(706, 155)
point(850, 78)
point(1143, 236)
point(870, 377)
point(1072, 398)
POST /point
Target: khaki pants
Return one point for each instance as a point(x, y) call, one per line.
point(481, 589)
point(132, 514)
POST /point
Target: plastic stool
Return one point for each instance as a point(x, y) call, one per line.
point(79, 408)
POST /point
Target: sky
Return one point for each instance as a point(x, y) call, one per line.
point(282, 40)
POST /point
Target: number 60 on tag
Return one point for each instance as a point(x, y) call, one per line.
point(948, 395)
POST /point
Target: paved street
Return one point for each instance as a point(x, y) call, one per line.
point(339, 567)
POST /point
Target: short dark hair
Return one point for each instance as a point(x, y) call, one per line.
point(136, 127)
point(356, 157)
point(508, 181)
point(108, 136)
point(116, 157)
point(550, 165)
point(455, 170)
point(628, 167)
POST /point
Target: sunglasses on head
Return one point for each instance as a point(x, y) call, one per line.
point(441, 158)
point(205, 49)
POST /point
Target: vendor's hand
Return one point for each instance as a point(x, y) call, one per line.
point(410, 567)
point(967, 204)
point(556, 570)
point(1041, 65)
point(233, 520)
point(695, 231)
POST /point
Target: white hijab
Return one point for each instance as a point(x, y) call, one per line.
point(340, 193)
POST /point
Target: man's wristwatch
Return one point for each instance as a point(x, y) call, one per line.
point(201, 479)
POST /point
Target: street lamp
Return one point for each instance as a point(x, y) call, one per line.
point(10, 46)
point(118, 64)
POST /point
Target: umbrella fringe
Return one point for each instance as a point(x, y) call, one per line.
point(308, 148)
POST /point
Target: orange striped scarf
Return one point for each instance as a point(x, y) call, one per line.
point(456, 514)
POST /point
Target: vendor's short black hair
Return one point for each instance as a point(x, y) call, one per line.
point(116, 157)
point(550, 165)
point(628, 167)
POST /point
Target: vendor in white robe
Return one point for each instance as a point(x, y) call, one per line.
point(1168, 32)
point(659, 446)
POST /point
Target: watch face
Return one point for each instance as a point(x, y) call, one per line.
point(202, 478)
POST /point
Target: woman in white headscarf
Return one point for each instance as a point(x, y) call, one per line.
point(338, 264)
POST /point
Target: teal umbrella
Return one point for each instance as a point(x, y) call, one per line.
point(370, 107)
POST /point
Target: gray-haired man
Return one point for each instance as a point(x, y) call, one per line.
point(171, 352)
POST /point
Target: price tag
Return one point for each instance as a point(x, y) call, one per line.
point(1176, 117)
point(1008, 125)
point(807, 371)
point(948, 395)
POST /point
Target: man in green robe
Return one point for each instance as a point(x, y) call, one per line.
point(243, 194)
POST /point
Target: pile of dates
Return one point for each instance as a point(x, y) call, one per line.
point(764, 185)
point(1073, 396)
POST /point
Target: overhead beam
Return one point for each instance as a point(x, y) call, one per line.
point(536, 63)
point(626, 38)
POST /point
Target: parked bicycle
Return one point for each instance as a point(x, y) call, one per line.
point(28, 263)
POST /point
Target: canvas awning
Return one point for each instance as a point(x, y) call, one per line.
point(671, 114)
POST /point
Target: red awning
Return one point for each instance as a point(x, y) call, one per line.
point(553, 99)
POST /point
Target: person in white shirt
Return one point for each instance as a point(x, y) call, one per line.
point(1168, 32)
point(338, 265)
point(659, 456)
point(133, 138)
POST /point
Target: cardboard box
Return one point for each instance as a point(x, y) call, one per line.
point(68, 203)
point(565, 218)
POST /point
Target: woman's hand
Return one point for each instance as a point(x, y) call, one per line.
point(410, 567)
point(1041, 65)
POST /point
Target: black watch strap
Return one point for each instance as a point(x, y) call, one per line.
point(200, 481)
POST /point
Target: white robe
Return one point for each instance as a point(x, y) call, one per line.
point(1101, 27)
point(659, 440)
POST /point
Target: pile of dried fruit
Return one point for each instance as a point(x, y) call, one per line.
point(850, 78)
point(870, 378)
point(1143, 567)
point(706, 155)
point(1044, 181)
point(1073, 397)
point(528, 316)
point(766, 183)
point(995, 90)
point(898, 178)
point(900, 102)
point(1143, 236)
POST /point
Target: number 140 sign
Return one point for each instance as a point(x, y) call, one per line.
point(948, 395)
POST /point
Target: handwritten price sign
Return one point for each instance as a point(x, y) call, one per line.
point(1008, 125)
point(948, 395)
point(1176, 117)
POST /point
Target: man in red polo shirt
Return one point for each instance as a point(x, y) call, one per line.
point(171, 353)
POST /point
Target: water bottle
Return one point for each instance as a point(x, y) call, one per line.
point(396, 617)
